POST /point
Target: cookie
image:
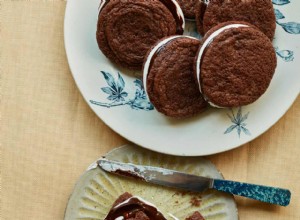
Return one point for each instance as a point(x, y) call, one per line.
point(126, 30)
point(168, 77)
point(257, 12)
point(128, 207)
point(234, 65)
point(188, 7)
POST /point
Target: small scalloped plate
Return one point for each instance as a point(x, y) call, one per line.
point(96, 190)
point(117, 95)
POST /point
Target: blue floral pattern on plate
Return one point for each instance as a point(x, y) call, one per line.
point(289, 27)
point(239, 122)
point(118, 96)
point(286, 55)
point(280, 2)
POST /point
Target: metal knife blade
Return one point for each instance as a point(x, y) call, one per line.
point(157, 175)
point(188, 182)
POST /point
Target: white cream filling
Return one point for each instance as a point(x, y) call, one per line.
point(102, 3)
point(200, 54)
point(179, 13)
point(151, 54)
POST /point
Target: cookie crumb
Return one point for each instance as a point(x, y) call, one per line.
point(195, 201)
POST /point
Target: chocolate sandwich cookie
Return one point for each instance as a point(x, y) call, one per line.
point(127, 29)
point(257, 12)
point(168, 77)
point(188, 7)
point(234, 65)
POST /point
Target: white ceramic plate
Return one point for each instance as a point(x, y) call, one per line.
point(117, 96)
point(96, 190)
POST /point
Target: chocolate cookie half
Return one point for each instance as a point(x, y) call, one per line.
point(234, 65)
point(188, 7)
point(257, 12)
point(128, 207)
point(127, 29)
point(168, 77)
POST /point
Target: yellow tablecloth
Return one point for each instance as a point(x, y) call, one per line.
point(49, 135)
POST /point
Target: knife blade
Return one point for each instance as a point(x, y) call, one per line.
point(188, 182)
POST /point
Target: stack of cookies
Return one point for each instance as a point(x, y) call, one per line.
point(231, 66)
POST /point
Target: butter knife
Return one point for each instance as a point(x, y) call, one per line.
point(188, 182)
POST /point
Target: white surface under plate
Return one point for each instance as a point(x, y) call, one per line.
point(117, 96)
point(96, 190)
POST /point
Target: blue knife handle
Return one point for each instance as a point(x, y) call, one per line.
point(267, 194)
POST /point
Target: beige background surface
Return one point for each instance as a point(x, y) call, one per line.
point(49, 135)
